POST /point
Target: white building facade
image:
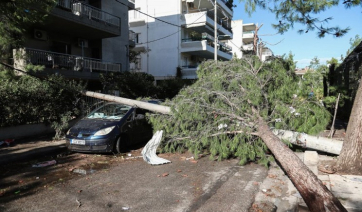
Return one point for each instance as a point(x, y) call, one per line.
point(245, 39)
point(175, 36)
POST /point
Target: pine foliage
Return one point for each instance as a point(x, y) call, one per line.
point(219, 113)
point(302, 13)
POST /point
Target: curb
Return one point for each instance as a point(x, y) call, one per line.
point(12, 155)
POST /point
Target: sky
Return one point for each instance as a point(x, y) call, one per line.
point(306, 46)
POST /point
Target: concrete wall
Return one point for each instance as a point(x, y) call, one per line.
point(116, 49)
point(162, 40)
point(237, 42)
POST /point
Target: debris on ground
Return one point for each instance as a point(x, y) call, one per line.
point(163, 175)
point(80, 171)
point(45, 163)
point(79, 203)
point(125, 208)
point(149, 151)
point(7, 142)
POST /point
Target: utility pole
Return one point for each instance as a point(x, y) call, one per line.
point(256, 41)
point(215, 32)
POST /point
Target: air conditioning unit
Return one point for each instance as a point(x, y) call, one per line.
point(40, 34)
point(77, 9)
point(83, 43)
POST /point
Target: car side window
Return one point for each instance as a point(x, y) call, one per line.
point(140, 114)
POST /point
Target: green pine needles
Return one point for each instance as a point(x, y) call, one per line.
point(219, 114)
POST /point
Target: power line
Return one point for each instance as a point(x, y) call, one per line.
point(161, 38)
point(240, 48)
point(274, 43)
point(270, 34)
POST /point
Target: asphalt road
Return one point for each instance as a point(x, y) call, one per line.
point(122, 183)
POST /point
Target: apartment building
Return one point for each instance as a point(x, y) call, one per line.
point(175, 36)
point(79, 39)
point(246, 41)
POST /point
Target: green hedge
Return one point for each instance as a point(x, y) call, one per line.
point(27, 100)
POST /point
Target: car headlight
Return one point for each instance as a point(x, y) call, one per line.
point(104, 131)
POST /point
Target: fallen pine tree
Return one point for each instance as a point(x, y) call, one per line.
point(229, 112)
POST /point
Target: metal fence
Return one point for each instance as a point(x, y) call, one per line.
point(94, 13)
point(69, 62)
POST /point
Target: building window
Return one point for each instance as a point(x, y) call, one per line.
point(138, 63)
point(137, 38)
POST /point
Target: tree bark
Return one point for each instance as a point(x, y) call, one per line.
point(350, 158)
point(314, 193)
point(144, 105)
point(321, 144)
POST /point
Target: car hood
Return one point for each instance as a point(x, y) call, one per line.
point(92, 125)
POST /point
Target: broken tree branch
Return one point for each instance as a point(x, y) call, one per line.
point(334, 117)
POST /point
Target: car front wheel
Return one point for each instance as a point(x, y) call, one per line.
point(120, 144)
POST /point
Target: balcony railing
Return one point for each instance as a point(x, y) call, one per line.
point(94, 13)
point(206, 36)
point(135, 14)
point(190, 66)
point(210, 41)
point(220, 21)
point(68, 62)
point(225, 47)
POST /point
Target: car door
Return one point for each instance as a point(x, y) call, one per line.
point(128, 128)
point(145, 129)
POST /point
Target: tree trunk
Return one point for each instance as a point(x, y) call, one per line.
point(315, 194)
point(318, 143)
point(350, 158)
point(144, 105)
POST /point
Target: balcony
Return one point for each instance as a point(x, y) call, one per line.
point(189, 72)
point(71, 66)
point(223, 4)
point(248, 47)
point(83, 20)
point(136, 18)
point(204, 47)
point(225, 47)
point(248, 36)
point(203, 21)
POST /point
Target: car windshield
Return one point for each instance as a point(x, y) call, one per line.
point(109, 111)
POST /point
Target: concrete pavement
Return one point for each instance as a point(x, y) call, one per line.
point(132, 184)
point(275, 191)
point(24, 149)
